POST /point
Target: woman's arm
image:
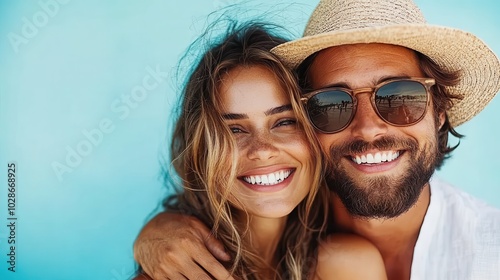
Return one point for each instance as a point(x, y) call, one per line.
point(349, 257)
point(175, 246)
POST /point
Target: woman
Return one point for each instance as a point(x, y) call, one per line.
point(243, 150)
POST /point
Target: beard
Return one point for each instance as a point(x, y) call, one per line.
point(384, 196)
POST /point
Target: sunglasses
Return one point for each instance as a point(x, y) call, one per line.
point(401, 102)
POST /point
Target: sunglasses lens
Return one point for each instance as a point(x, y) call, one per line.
point(330, 111)
point(401, 102)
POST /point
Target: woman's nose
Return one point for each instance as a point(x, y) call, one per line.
point(262, 147)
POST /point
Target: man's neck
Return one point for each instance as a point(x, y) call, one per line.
point(395, 238)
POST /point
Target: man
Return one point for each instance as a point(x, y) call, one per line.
point(379, 167)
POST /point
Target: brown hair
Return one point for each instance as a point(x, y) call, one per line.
point(203, 156)
point(442, 100)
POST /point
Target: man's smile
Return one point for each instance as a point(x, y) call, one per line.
point(374, 158)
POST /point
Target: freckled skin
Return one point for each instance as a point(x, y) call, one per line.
point(265, 140)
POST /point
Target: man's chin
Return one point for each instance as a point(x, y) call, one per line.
point(373, 192)
point(376, 197)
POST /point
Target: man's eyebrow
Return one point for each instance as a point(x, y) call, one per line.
point(375, 82)
point(332, 85)
point(272, 111)
point(389, 78)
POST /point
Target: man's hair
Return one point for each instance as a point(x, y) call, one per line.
point(205, 157)
point(442, 98)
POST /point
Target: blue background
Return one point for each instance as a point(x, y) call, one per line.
point(72, 74)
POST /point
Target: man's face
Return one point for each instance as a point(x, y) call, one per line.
point(396, 162)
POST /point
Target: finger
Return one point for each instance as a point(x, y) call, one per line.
point(172, 275)
point(197, 253)
point(216, 270)
point(180, 267)
point(216, 247)
point(175, 276)
point(197, 274)
point(212, 265)
point(213, 245)
point(187, 270)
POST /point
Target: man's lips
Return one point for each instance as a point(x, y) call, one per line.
point(375, 161)
point(375, 157)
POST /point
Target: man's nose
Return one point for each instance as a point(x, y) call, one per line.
point(366, 124)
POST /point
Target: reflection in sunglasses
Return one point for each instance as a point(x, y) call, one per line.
point(399, 102)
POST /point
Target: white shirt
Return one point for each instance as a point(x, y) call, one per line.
point(459, 239)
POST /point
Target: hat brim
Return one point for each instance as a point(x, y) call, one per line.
point(450, 48)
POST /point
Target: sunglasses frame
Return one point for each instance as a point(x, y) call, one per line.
point(426, 82)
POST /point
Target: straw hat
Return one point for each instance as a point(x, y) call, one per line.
point(400, 22)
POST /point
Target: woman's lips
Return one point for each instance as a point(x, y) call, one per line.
point(269, 182)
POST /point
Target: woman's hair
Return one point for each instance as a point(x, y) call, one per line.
point(442, 98)
point(205, 157)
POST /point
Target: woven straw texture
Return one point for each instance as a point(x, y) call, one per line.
point(400, 22)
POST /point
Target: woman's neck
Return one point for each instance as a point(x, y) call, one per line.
point(265, 234)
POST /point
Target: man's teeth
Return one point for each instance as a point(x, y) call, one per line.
point(376, 158)
point(268, 179)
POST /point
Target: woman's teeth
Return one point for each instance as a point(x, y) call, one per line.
point(268, 179)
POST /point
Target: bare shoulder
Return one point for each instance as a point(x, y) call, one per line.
point(346, 256)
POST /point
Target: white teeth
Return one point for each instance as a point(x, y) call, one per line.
point(268, 179)
point(272, 178)
point(257, 180)
point(358, 160)
point(379, 157)
point(369, 158)
point(384, 157)
point(265, 180)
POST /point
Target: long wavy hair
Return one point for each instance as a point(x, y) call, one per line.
point(442, 98)
point(204, 156)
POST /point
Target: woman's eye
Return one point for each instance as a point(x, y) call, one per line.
point(236, 130)
point(286, 122)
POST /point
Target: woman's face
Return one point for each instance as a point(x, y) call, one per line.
point(274, 167)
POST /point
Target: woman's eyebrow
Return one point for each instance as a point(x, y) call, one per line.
point(278, 110)
point(272, 111)
point(233, 116)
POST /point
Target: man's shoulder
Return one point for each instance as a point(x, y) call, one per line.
point(459, 208)
point(460, 236)
point(452, 197)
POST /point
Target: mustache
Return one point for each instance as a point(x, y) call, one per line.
point(361, 146)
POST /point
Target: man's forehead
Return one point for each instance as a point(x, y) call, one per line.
point(374, 48)
point(343, 64)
